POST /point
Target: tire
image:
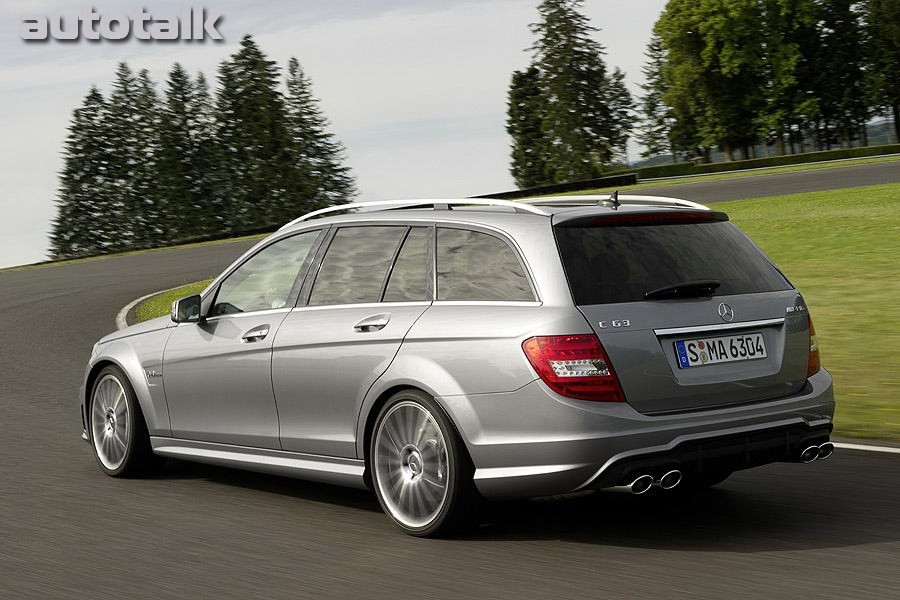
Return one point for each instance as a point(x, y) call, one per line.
point(118, 433)
point(420, 469)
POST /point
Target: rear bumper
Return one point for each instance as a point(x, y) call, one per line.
point(532, 442)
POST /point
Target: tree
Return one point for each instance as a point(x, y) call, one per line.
point(655, 128)
point(523, 124)
point(82, 225)
point(883, 27)
point(133, 137)
point(251, 135)
point(585, 112)
point(841, 84)
point(316, 176)
point(187, 200)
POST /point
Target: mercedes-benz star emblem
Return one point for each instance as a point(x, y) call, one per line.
point(726, 312)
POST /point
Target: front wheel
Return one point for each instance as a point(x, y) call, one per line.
point(118, 433)
point(421, 472)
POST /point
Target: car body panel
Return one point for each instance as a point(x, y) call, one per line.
point(218, 385)
point(322, 368)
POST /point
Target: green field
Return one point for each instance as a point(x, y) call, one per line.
point(842, 250)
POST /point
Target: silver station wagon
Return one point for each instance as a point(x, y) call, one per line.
point(444, 351)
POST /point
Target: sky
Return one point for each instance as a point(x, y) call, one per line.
point(414, 89)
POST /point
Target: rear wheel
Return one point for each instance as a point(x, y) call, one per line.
point(420, 470)
point(118, 433)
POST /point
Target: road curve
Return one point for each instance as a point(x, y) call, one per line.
point(825, 530)
point(776, 184)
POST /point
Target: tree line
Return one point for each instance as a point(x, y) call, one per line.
point(799, 75)
point(721, 75)
point(143, 169)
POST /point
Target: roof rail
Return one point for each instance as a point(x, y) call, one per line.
point(622, 198)
point(380, 205)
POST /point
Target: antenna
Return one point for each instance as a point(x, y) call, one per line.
point(614, 198)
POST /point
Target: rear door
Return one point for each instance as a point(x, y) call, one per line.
point(692, 314)
point(371, 286)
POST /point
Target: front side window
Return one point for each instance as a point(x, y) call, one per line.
point(265, 280)
point(472, 265)
point(355, 265)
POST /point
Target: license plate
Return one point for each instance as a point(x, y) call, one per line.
point(713, 350)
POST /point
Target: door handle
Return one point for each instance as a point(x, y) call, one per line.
point(373, 323)
point(256, 334)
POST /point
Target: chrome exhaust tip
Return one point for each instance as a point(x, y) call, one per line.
point(810, 454)
point(825, 450)
point(641, 485)
point(670, 480)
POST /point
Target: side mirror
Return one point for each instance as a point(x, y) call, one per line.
point(187, 310)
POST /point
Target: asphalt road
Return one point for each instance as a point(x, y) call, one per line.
point(826, 530)
point(776, 184)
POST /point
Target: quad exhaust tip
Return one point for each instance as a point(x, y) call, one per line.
point(670, 480)
point(820, 452)
point(641, 485)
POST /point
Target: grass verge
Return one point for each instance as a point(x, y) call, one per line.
point(840, 249)
point(160, 304)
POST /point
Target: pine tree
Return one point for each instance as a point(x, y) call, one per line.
point(148, 207)
point(525, 112)
point(133, 133)
point(655, 128)
point(81, 226)
point(316, 176)
point(187, 201)
point(252, 138)
point(582, 131)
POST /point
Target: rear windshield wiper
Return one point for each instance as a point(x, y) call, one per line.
point(688, 289)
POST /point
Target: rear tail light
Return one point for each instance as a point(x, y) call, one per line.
point(575, 366)
point(815, 363)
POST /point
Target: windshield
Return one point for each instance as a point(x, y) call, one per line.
point(607, 264)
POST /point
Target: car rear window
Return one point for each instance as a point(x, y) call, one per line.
point(607, 264)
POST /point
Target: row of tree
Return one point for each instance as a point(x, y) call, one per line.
point(797, 74)
point(143, 169)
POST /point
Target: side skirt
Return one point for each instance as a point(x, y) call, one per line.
point(325, 469)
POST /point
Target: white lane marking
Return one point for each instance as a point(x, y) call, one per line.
point(867, 448)
point(121, 323)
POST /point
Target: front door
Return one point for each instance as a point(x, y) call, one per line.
point(217, 373)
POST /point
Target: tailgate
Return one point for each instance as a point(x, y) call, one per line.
point(680, 355)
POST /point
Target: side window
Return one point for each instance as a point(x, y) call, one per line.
point(477, 266)
point(355, 265)
point(265, 280)
point(409, 278)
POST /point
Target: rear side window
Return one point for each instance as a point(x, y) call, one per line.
point(472, 265)
point(355, 265)
point(607, 264)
